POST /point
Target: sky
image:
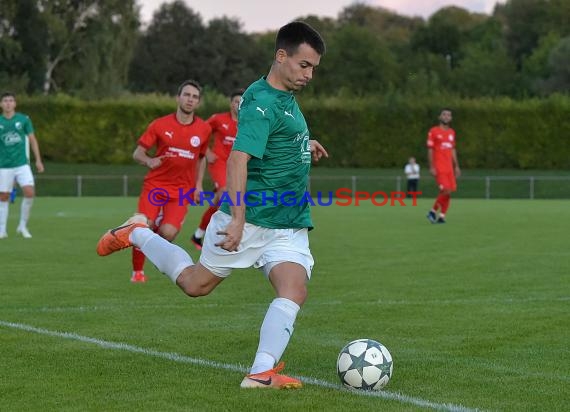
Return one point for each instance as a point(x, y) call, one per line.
point(263, 15)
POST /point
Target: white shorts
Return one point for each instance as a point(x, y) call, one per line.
point(22, 174)
point(260, 247)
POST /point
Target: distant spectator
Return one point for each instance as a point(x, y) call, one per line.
point(412, 171)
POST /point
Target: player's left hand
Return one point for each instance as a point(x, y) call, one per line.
point(317, 150)
point(40, 166)
point(457, 171)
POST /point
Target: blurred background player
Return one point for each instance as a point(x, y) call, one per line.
point(224, 130)
point(16, 138)
point(443, 164)
point(412, 171)
point(180, 140)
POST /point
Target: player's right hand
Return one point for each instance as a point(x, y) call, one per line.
point(233, 233)
point(155, 162)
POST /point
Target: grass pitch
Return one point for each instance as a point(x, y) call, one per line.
point(474, 312)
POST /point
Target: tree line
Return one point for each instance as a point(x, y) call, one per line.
point(96, 49)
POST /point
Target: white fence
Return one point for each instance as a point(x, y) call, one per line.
point(481, 187)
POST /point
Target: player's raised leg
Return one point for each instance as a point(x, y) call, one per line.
point(170, 259)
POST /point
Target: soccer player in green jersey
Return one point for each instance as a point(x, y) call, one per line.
point(16, 137)
point(263, 221)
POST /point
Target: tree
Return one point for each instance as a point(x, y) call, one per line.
point(100, 64)
point(485, 67)
point(558, 79)
point(57, 36)
point(232, 56)
point(173, 48)
point(525, 22)
point(356, 62)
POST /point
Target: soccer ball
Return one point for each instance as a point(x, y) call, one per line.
point(364, 364)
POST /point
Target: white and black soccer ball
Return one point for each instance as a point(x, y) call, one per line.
point(364, 364)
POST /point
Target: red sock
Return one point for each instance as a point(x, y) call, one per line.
point(207, 216)
point(138, 259)
point(439, 201)
point(445, 204)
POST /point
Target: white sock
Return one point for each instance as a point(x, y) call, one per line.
point(3, 216)
point(276, 330)
point(25, 208)
point(169, 258)
point(199, 233)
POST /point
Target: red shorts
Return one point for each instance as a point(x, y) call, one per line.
point(446, 181)
point(217, 172)
point(172, 212)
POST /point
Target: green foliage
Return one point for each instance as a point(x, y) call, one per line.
point(82, 47)
point(492, 133)
point(104, 131)
point(358, 132)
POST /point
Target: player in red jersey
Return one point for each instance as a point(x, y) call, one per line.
point(180, 141)
point(443, 164)
point(224, 131)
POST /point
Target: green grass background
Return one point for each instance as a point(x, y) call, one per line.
point(474, 312)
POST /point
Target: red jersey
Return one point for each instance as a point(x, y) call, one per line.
point(183, 146)
point(442, 143)
point(225, 131)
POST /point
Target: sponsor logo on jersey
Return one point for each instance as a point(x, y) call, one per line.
point(175, 151)
point(12, 138)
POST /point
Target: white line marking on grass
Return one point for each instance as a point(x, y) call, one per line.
point(234, 368)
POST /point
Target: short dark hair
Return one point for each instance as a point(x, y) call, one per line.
point(293, 34)
point(193, 83)
point(7, 94)
point(236, 92)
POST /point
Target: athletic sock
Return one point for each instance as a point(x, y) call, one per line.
point(169, 258)
point(25, 208)
point(276, 330)
point(445, 204)
point(199, 233)
point(138, 259)
point(3, 216)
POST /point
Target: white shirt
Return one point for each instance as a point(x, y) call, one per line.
point(412, 171)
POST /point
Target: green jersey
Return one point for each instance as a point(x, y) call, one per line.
point(272, 129)
point(14, 140)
